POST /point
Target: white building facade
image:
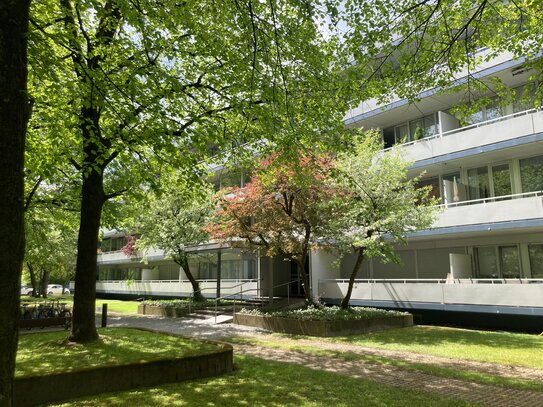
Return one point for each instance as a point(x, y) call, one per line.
point(483, 255)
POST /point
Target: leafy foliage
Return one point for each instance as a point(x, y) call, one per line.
point(282, 211)
point(382, 205)
point(174, 221)
point(333, 313)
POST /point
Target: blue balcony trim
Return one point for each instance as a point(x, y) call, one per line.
point(519, 141)
point(481, 227)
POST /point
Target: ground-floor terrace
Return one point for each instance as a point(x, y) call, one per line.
point(473, 277)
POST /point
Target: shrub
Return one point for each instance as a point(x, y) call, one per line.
point(334, 313)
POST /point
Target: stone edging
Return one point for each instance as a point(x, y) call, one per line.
point(33, 390)
point(323, 328)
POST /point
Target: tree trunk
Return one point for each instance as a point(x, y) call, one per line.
point(44, 283)
point(33, 282)
point(92, 200)
point(196, 292)
point(14, 114)
point(305, 280)
point(356, 268)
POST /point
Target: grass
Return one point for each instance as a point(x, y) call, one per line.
point(117, 306)
point(467, 375)
point(46, 353)
point(263, 383)
point(484, 346)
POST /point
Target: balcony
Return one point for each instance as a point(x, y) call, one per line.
point(502, 129)
point(177, 288)
point(508, 208)
point(118, 257)
point(514, 296)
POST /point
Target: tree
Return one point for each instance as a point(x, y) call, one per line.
point(381, 207)
point(124, 88)
point(174, 221)
point(14, 113)
point(50, 246)
point(417, 45)
point(282, 211)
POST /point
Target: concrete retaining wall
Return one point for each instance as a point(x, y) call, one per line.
point(323, 328)
point(34, 390)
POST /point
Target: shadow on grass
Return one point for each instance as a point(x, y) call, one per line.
point(263, 383)
point(49, 352)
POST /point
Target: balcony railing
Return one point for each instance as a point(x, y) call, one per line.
point(469, 294)
point(492, 199)
point(465, 128)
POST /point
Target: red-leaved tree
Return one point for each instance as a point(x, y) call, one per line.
point(282, 211)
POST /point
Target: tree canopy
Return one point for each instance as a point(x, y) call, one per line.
point(174, 221)
point(125, 90)
point(381, 205)
point(281, 211)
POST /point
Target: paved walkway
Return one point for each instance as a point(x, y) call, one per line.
point(458, 389)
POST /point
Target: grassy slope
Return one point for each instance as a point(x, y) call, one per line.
point(43, 353)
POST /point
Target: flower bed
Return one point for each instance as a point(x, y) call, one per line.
point(325, 322)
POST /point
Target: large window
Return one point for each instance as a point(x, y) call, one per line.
point(536, 259)
point(497, 261)
point(416, 129)
point(531, 174)
point(491, 181)
point(112, 244)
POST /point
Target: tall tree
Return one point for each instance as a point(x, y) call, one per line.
point(50, 246)
point(174, 222)
point(14, 114)
point(124, 87)
point(382, 205)
point(282, 211)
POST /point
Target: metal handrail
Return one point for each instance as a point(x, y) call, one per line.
point(440, 280)
point(492, 199)
point(258, 289)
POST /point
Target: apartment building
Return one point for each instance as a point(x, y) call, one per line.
point(484, 254)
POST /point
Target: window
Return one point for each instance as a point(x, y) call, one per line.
point(531, 174)
point(498, 261)
point(478, 184)
point(491, 111)
point(536, 259)
point(501, 180)
point(524, 98)
point(417, 129)
point(491, 181)
point(433, 183)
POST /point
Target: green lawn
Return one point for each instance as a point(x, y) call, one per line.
point(42, 353)
point(117, 306)
point(484, 346)
point(276, 342)
point(263, 383)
